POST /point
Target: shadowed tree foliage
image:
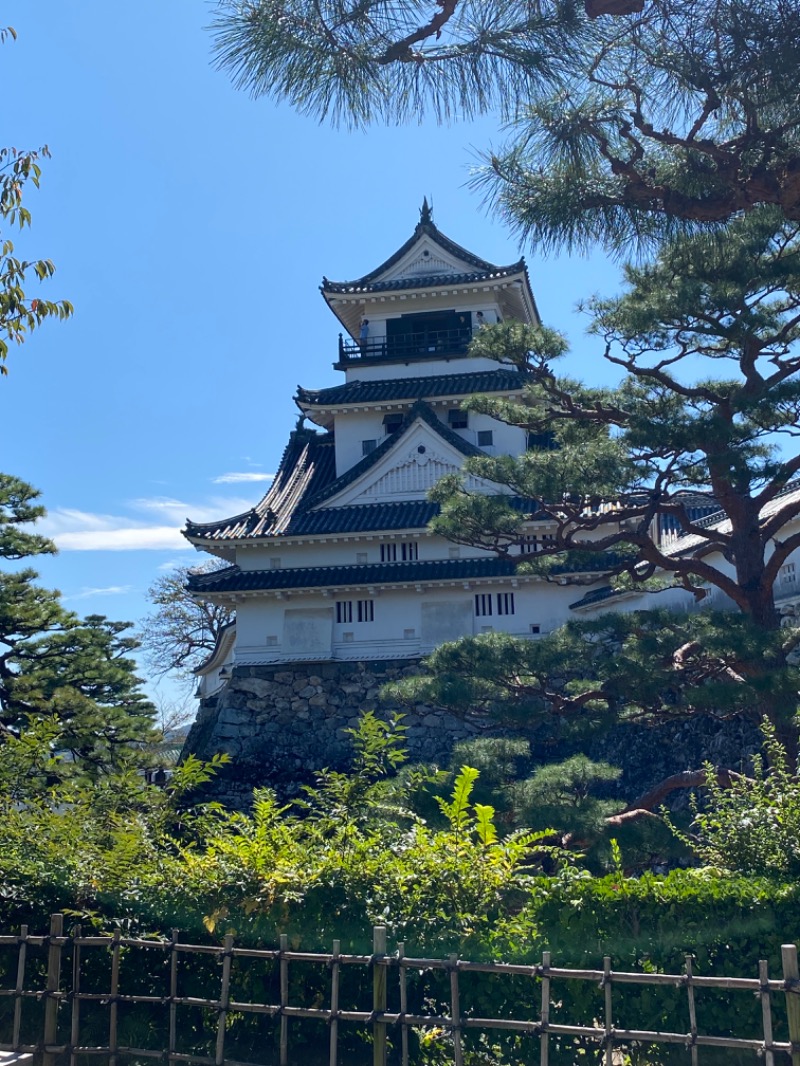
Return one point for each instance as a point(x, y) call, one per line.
point(622, 129)
point(645, 666)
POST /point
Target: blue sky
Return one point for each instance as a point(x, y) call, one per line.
point(191, 227)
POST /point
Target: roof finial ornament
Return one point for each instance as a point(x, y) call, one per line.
point(426, 212)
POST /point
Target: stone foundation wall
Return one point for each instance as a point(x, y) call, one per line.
point(283, 724)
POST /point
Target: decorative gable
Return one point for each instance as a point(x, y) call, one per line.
point(426, 258)
point(407, 471)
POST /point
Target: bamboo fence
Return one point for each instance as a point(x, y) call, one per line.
point(63, 998)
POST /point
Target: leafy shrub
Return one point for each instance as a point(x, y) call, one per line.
point(752, 826)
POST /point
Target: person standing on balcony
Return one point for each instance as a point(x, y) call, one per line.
point(363, 334)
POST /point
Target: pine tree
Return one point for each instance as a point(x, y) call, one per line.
point(76, 674)
point(623, 130)
point(703, 420)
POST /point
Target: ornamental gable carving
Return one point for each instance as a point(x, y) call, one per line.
point(415, 476)
point(426, 259)
point(408, 472)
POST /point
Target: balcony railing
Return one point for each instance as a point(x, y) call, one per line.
point(423, 345)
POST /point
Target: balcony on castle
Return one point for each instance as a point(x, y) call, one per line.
point(405, 347)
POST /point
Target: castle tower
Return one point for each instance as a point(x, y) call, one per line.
point(335, 574)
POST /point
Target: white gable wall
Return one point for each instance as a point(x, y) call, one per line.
point(354, 427)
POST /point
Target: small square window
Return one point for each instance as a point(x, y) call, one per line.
point(535, 628)
point(361, 558)
point(391, 423)
point(454, 553)
point(348, 638)
point(485, 438)
point(274, 564)
point(458, 419)
point(409, 634)
point(368, 446)
point(272, 641)
point(487, 629)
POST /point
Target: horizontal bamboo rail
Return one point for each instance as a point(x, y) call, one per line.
point(53, 1045)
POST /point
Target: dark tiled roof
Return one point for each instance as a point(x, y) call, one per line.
point(413, 388)
point(596, 596)
point(233, 579)
point(308, 464)
point(363, 518)
point(425, 227)
point(424, 281)
point(307, 476)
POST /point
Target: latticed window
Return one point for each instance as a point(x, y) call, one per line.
point(366, 610)
point(533, 543)
point(409, 551)
point(483, 604)
point(344, 611)
point(505, 602)
point(388, 553)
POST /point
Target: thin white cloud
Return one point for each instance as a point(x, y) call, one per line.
point(110, 590)
point(75, 530)
point(177, 511)
point(241, 477)
point(123, 539)
point(170, 564)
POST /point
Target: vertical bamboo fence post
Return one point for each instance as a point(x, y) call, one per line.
point(335, 967)
point(766, 1011)
point(75, 1028)
point(692, 1008)
point(455, 1011)
point(791, 978)
point(113, 1018)
point(403, 979)
point(544, 1048)
point(378, 995)
point(173, 993)
point(52, 986)
point(284, 966)
point(609, 1037)
point(224, 998)
point(23, 951)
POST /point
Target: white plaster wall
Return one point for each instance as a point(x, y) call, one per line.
point(406, 621)
point(340, 552)
point(424, 368)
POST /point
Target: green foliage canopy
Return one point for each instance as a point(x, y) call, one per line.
point(75, 674)
point(622, 130)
